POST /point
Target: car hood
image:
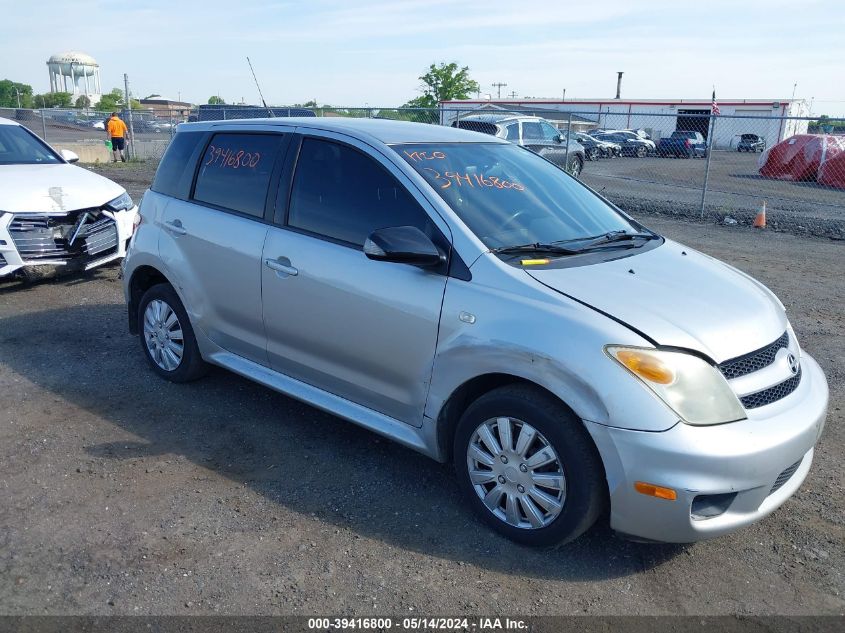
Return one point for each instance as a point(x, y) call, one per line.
point(677, 297)
point(53, 188)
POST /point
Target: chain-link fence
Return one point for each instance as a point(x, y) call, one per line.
point(689, 163)
point(696, 164)
point(84, 130)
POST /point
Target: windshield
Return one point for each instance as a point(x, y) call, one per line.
point(19, 147)
point(508, 195)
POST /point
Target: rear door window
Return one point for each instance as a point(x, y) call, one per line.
point(343, 194)
point(532, 131)
point(235, 171)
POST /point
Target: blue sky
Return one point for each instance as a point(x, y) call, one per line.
point(372, 51)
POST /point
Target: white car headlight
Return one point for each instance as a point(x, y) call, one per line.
point(690, 386)
point(121, 203)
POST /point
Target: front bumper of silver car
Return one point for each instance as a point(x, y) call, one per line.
point(724, 476)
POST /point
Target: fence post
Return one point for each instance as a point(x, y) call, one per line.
point(43, 126)
point(224, 113)
point(568, 131)
point(131, 149)
point(711, 141)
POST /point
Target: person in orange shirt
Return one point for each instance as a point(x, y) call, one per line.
point(116, 129)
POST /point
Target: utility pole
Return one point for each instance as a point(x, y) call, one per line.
point(499, 86)
point(131, 148)
point(564, 95)
point(512, 95)
point(19, 97)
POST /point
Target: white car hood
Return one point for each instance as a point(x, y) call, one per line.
point(677, 297)
point(53, 188)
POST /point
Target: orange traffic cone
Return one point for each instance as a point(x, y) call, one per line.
point(760, 220)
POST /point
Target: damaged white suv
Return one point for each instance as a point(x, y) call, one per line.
point(55, 216)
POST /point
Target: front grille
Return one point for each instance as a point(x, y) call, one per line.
point(785, 476)
point(772, 394)
point(754, 361)
point(47, 238)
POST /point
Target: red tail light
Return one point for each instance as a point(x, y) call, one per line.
point(686, 143)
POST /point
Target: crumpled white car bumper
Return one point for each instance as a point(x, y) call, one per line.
point(41, 239)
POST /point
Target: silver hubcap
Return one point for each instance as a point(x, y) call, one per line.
point(516, 473)
point(163, 335)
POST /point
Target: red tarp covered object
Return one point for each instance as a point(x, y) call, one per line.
point(806, 158)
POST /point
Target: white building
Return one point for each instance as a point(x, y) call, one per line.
point(768, 118)
point(76, 73)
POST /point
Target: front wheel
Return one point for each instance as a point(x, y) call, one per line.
point(641, 152)
point(575, 166)
point(528, 467)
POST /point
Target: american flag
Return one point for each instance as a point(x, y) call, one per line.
point(715, 107)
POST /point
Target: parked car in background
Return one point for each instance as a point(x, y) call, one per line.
point(751, 143)
point(609, 149)
point(55, 216)
point(532, 132)
point(682, 144)
point(636, 132)
point(467, 299)
point(630, 144)
point(592, 147)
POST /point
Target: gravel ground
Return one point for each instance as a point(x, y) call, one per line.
point(668, 186)
point(124, 494)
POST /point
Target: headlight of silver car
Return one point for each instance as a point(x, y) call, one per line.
point(690, 386)
point(121, 203)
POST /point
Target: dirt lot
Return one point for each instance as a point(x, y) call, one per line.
point(124, 494)
point(673, 186)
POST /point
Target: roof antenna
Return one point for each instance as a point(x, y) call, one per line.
point(269, 111)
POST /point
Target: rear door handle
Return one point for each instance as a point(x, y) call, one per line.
point(280, 266)
point(175, 227)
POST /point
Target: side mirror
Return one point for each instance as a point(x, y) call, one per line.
point(69, 156)
point(403, 245)
point(560, 138)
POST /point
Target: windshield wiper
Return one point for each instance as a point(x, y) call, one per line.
point(537, 247)
point(612, 237)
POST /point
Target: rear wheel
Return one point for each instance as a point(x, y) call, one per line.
point(641, 152)
point(167, 337)
point(575, 166)
point(528, 467)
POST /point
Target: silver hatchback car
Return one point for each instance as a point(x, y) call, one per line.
point(465, 297)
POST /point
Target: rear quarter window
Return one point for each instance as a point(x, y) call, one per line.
point(176, 169)
point(235, 171)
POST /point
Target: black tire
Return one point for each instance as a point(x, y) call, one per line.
point(641, 152)
point(575, 167)
point(192, 366)
point(586, 487)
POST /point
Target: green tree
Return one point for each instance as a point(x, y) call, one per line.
point(444, 82)
point(53, 100)
point(83, 102)
point(9, 91)
point(215, 100)
point(112, 100)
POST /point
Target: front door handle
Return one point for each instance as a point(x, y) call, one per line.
point(175, 227)
point(281, 265)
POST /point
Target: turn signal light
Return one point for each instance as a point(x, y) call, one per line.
point(646, 366)
point(655, 491)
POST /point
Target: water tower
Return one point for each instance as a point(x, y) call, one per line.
point(76, 73)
